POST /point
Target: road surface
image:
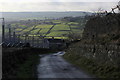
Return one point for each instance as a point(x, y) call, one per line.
point(54, 66)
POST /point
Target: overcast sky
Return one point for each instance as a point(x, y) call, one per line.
point(55, 5)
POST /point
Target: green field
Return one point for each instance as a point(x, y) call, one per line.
point(60, 29)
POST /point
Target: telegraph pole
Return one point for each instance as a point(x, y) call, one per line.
point(3, 29)
point(14, 36)
point(9, 32)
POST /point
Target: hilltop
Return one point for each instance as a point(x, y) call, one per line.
point(16, 16)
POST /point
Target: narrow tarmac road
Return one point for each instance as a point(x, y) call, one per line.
point(54, 66)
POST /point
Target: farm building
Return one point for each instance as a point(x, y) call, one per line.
point(54, 43)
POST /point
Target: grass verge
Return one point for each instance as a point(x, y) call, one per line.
point(94, 68)
point(28, 68)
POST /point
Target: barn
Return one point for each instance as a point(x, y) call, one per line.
point(55, 43)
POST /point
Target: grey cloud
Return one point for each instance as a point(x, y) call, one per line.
point(57, 6)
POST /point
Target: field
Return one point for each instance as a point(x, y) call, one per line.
point(48, 28)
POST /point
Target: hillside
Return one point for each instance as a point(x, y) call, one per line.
point(98, 52)
point(104, 29)
point(48, 27)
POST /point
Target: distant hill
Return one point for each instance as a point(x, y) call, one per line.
point(15, 16)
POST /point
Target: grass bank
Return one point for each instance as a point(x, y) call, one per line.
point(28, 68)
point(99, 70)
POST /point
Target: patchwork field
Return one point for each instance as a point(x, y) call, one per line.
point(48, 28)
